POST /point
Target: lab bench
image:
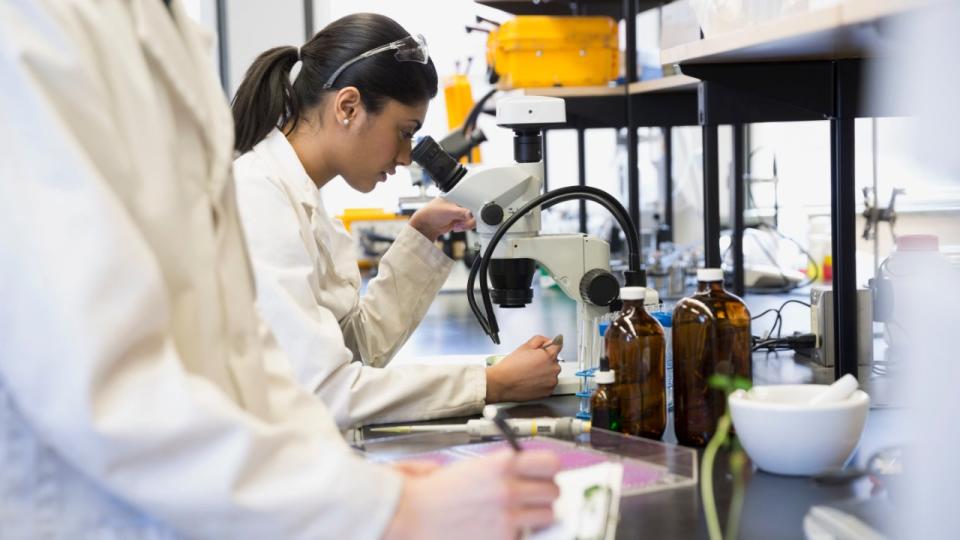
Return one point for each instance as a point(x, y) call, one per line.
point(774, 506)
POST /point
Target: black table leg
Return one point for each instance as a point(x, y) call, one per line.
point(668, 182)
point(582, 175)
point(711, 198)
point(633, 172)
point(843, 203)
point(740, 157)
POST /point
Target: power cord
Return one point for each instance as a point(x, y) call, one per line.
point(778, 343)
point(789, 343)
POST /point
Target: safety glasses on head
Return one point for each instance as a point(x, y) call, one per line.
point(409, 49)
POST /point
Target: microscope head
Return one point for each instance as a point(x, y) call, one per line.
point(528, 116)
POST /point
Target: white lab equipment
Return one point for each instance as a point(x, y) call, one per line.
point(507, 201)
point(482, 427)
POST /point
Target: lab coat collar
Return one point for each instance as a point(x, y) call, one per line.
point(173, 44)
point(276, 148)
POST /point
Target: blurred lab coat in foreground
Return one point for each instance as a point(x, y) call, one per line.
point(308, 292)
point(136, 398)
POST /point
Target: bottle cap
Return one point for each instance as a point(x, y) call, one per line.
point(633, 293)
point(602, 327)
point(709, 274)
point(605, 377)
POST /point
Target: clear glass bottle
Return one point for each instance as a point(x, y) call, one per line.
point(711, 334)
point(605, 404)
point(635, 347)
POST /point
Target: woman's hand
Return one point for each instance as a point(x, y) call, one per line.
point(439, 217)
point(496, 497)
point(530, 372)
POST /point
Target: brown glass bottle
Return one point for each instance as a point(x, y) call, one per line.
point(636, 347)
point(605, 404)
point(711, 334)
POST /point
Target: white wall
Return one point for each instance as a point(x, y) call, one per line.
point(204, 12)
point(255, 26)
point(441, 23)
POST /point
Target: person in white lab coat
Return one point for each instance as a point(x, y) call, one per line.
point(347, 103)
point(137, 396)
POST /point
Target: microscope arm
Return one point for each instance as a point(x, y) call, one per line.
point(580, 264)
point(500, 190)
point(566, 257)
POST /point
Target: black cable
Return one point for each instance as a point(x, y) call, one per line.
point(794, 342)
point(489, 322)
point(785, 304)
point(471, 121)
point(471, 297)
point(770, 310)
point(777, 323)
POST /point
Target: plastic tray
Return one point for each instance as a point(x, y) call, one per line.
point(648, 465)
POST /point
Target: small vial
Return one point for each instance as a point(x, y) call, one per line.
point(605, 404)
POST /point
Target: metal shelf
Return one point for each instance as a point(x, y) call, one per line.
point(806, 67)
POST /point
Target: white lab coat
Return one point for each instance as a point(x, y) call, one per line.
point(308, 287)
point(136, 399)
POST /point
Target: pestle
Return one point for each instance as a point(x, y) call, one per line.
point(838, 391)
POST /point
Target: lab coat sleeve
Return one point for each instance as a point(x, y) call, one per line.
point(409, 277)
point(85, 352)
point(311, 336)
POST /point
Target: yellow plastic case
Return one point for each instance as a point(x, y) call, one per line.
point(537, 51)
point(459, 98)
point(357, 220)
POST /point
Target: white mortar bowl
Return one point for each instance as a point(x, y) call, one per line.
point(782, 434)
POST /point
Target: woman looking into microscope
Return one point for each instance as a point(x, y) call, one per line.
point(347, 103)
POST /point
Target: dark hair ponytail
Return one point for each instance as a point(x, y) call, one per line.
point(266, 99)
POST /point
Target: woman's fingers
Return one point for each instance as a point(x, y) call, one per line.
point(415, 468)
point(535, 342)
point(531, 518)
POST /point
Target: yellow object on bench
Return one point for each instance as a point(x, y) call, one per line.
point(538, 51)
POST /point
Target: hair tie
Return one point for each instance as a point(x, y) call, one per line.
point(296, 67)
point(295, 71)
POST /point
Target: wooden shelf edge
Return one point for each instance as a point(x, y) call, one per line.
point(666, 84)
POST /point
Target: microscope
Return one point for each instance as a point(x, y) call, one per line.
point(507, 203)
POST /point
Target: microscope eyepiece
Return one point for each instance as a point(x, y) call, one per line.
point(440, 165)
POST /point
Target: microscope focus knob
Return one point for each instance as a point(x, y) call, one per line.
point(599, 287)
point(491, 214)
